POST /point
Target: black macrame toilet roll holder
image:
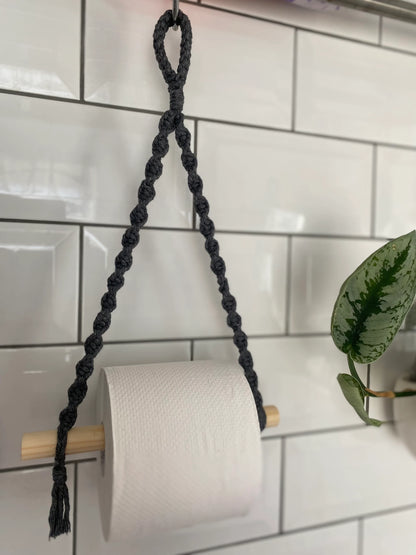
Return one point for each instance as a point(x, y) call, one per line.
point(171, 121)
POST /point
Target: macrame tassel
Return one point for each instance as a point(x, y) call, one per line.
point(59, 511)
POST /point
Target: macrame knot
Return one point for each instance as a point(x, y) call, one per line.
point(67, 419)
point(176, 97)
point(138, 216)
point(195, 184)
point(115, 282)
point(59, 475)
point(146, 192)
point(183, 138)
point(153, 168)
point(108, 301)
point(229, 303)
point(102, 322)
point(212, 246)
point(206, 226)
point(124, 260)
point(160, 146)
point(130, 238)
point(84, 367)
point(189, 163)
point(234, 320)
point(246, 361)
point(93, 344)
point(77, 391)
point(201, 205)
point(217, 265)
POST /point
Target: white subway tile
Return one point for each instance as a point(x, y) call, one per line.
point(284, 182)
point(397, 361)
point(341, 539)
point(39, 294)
point(251, 81)
point(24, 507)
point(335, 476)
point(354, 90)
point(262, 519)
point(70, 162)
point(319, 268)
point(344, 22)
point(398, 34)
point(40, 45)
point(170, 291)
point(298, 374)
point(391, 533)
point(396, 192)
point(42, 375)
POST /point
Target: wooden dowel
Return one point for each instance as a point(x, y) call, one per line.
point(39, 445)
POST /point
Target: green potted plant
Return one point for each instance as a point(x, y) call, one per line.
point(370, 309)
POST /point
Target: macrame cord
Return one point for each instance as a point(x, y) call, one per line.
point(171, 121)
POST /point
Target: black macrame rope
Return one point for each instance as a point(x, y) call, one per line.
point(172, 120)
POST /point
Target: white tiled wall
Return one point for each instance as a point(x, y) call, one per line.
point(347, 102)
point(305, 130)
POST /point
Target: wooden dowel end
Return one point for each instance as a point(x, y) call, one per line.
point(272, 416)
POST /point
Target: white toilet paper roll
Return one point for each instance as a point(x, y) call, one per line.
point(182, 446)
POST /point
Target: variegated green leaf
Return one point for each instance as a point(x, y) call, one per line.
point(374, 300)
point(353, 393)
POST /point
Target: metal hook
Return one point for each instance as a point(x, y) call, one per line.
point(175, 11)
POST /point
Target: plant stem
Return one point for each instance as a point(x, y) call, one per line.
point(370, 393)
point(354, 373)
point(390, 394)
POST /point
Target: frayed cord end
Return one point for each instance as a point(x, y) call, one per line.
point(59, 511)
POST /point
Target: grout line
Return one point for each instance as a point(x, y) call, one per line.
point(192, 346)
point(282, 485)
point(190, 230)
point(40, 345)
point(42, 465)
point(312, 527)
point(80, 281)
point(82, 51)
point(373, 199)
point(196, 156)
point(374, 44)
point(294, 79)
point(171, 340)
point(252, 337)
point(28, 467)
point(89, 459)
point(74, 511)
point(320, 431)
point(360, 538)
point(288, 284)
point(246, 125)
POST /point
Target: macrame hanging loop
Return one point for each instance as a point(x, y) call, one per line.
point(171, 121)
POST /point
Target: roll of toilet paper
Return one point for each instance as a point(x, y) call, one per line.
point(182, 446)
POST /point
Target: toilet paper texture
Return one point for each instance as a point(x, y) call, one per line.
point(182, 446)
